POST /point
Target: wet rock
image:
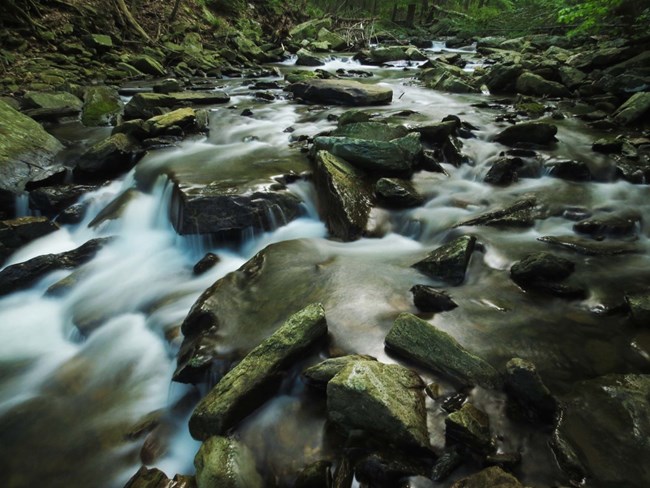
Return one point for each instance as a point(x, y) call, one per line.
point(245, 387)
point(74, 214)
point(307, 58)
point(147, 105)
point(335, 41)
point(615, 225)
point(633, 109)
point(353, 117)
point(503, 172)
point(154, 478)
point(449, 262)
point(344, 197)
point(387, 469)
point(102, 105)
point(51, 200)
point(371, 131)
point(571, 77)
point(382, 55)
point(320, 374)
point(148, 65)
point(26, 154)
point(16, 233)
point(501, 77)
point(437, 133)
point(469, 427)
point(602, 433)
point(397, 193)
point(527, 394)
point(420, 341)
point(51, 105)
point(543, 272)
point(639, 305)
point(100, 42)
point(377, 157)
point(170, 85)
point(428, 299)
point(209, 261)
point(504, 460)
point(451, 458)
point(531, 84)
point(226, 463)
point(344, 474)
point(341, 92)
point(590, 247)
point(315, 475)
point(569, 170)
point(23, 275)
point(541, 133)
point(219, 211)
point(607, 146)
point(493, 477)
point(384, 400)
point(108, 158)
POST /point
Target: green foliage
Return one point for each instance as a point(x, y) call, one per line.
point(588, 17)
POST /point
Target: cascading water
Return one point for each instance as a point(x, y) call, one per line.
point(87, 365)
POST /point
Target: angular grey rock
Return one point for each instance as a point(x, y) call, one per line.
point(541, 133)
point(469, 427)
point(420, 341)
point(449, 262)
point(532, 84)
point(320, 374)
point(397, 193)
point(226, 463)
point(530, 397)
point(341, 92)
point(428, 299)
point(246, 386)
point(384, 400)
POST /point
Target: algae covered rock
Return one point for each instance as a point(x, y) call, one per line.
point(335, 41)
point(341, 92)
point(428, 299)
point(531, 84)
point(310, 29)
point(27, 152)
point(323, 372)
point(226, 463)
point(102, 105)
point(377, 157)
point(449, 262)
point(420, 341)
point(307, 58)
point(110, 157)
point(246, 386)
point(469, 427)
point(397, 193)
point(371, 131)
point(344, 196)
point(384, 400)
point(147, 65)
point(51, 105)
point(634, 108)
point(146, 105)
point(155, 478)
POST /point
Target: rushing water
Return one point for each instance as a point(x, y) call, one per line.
point(85, 375)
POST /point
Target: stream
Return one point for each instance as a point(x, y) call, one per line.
point(85, 375)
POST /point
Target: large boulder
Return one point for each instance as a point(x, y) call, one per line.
point(320, 374)
point(376, 157)
point(344, 196)
point(102, 105)
point(449, 262)
point(307, 58)
point(51, 200)
point(309, 30)
point(218, 211)
point(27, 154)
point(147, 105)
point(634, 109)
point(501, 77)
point(335, 41)
point(246, 386)
point(372, 131)
point(383, 400)
point(531, 84)
point(23, 275)
point(602, 434)
point(108, 158)
point(341, 92)
point(226, 463)
point(541, 133)
point(469, 427)
point(545, 272)
point(419, 341)
point(387, 54)
point(51, 105)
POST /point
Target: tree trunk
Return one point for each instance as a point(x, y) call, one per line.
point(130, 20)
point(410, 15)
point(172, 17)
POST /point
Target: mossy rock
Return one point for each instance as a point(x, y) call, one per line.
point(102, 105)
point(148, 65)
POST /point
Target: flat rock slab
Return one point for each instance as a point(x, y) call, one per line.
point(590, 247)
point(147, 105)
point(420, 341)
point(384, 400)
point(538, 133)
point(341, 92)
point(449, 262)
point(344, 196)
point(245, 387)
point(603, 432)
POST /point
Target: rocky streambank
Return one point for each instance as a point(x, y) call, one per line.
point(406, 357)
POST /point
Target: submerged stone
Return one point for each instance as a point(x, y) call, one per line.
point(602, 434)
point(449, 262)
point(420, 341)
point(341, 92)
point(377, 157)
point(384, 400)
point(226, 463)
point(246, 386)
